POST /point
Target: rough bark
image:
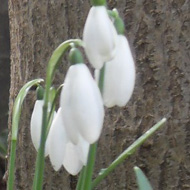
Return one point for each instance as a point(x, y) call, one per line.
point(159, 36)
point(4, 81)
point(4, 64)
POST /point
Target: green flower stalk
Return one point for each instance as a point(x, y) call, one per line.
point(15, 125)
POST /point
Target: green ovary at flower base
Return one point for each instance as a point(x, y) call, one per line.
point(98, 2)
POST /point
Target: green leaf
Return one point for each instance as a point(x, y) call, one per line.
point(130, 150)
point(142, 180)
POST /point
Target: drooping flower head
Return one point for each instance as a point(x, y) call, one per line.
point(99, 36)
point(36, 125)
point(57, 140)
point(62, 151)
point(119, 73)
point(82, 106)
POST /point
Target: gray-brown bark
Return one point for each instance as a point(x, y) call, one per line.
point(4, 81)
point(4, 64)
point(158, 34)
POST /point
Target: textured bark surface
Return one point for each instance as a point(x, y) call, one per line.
point(159, 36)
point(4, 80)
point(4, 64)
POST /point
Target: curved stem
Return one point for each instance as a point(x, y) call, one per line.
point(15, 125)
point(80, 182)
point(52, 65)
point(10, 184)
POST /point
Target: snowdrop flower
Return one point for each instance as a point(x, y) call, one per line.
point(76, 156)
point(119, 76)
point(36, 125)
point(100, 37)
point(82, 106)
point(57, 140)
point(62, 151)
point(71, 162)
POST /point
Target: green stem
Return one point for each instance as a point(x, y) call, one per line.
point(81, 180)
point(90, 167)
point(130, 150)
point(51, 113)
point(15, 125)
point(52, 65)
point(92, 153)
point(10, 184)
point(38, 180)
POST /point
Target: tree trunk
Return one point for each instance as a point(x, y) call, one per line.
point(4, 81)
point(159, 37)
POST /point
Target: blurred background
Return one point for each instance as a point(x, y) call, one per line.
point(4, 87)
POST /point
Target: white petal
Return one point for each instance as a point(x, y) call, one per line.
point(57, 140)
point(82, 105)
point(119, 79)
point(99, 36)
point(71, 161)
point(83, 149)
point(36, 124)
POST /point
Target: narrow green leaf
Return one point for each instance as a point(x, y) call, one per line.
point(131, 149)
point(142, 180)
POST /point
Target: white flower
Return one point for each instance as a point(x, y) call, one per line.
point(71, 161)
point(82, 150)
point(119, 76)
point(62, 151)
point(57, 140)
point(82, 105)
point(76, 156)
point(99, 36)
point(36, 125)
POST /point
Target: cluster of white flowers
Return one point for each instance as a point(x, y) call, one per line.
point(79, 120)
